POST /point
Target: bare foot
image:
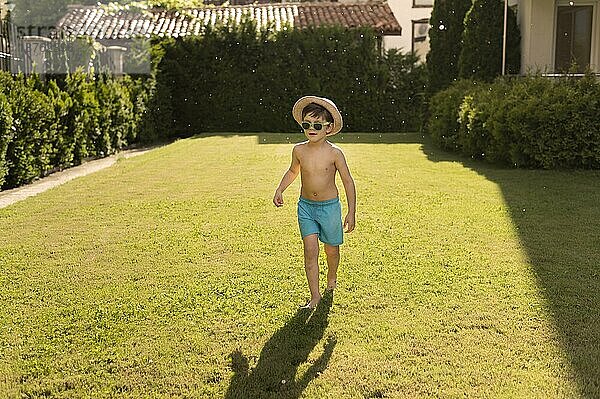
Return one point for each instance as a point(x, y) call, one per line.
point(311, 304)
point(331, 285)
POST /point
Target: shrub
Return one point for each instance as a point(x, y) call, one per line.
point(443, 124)
point(6, 134)
point(158, 123)
point(116, 114)
point(84, 117)
point(30, 151)
point(44, 128)
point(64, 143)
point(528, 122)
point(404, 81)
point(555, 124)
point(138, 94)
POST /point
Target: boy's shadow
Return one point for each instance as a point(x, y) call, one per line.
point(275, 373)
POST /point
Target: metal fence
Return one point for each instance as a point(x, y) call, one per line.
point(61, 54)
point(12, 49)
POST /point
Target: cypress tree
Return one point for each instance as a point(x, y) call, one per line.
point(481, 55)
point(445, 40)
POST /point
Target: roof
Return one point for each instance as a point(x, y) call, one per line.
point(99, 23)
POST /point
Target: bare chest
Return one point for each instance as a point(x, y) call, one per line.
point(315, 165)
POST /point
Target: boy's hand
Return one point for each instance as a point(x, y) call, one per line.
point(278, 199)
point(349, 223)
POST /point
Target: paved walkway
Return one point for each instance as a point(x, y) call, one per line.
point(9, 197)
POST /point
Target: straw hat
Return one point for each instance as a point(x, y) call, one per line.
point(325, 103)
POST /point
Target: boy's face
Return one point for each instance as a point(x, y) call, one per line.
point(312, 134)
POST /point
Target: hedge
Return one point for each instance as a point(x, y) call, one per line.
point(530, 122)
point(45, 127)
point(235, 78)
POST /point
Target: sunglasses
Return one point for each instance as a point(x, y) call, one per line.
point(314, 125)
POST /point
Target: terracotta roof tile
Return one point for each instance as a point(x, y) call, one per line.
point(101, 24)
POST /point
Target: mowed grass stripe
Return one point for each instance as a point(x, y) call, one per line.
point(148, 277)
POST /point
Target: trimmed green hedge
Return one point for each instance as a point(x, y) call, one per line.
point(525, 122)
point(44, 127)
point(236, 79)
point(6, 133)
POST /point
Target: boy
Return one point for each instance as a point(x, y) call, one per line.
point(319, 208)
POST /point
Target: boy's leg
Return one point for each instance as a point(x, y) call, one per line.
point(311, 265)
point(333, 261)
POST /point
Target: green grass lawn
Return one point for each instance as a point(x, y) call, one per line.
point(172, 274)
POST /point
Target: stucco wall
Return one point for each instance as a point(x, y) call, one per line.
point(536, 19)
point(405, 13)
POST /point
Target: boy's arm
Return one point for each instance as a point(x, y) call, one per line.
point(287, 178)
point(348, 181)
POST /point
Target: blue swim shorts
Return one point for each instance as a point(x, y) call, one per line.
point(323, 218)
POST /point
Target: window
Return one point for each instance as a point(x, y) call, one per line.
point(573, 38)
point(420, 44)
point(422, 3)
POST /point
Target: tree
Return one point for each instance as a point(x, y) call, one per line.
point(481, 55)
point(445, 39)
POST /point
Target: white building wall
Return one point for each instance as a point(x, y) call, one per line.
point(537, 20)
point(406, 13)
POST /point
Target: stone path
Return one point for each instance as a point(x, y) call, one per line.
point(9, 197)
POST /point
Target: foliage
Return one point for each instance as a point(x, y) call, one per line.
point(481, 54)
point(235, 78)
point(6, 134)
point(84, 116)
point(139, 95)
point(44, 127)
point(30, 151)
point(527, 122)
point(445, 39)
point(116, 110)
point(65, 137)
point(402, 99)
point(443, 124)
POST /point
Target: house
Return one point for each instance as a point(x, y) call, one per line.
point(101, 24)
point(556, 33)
point(117, 29)
point(413, 16)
